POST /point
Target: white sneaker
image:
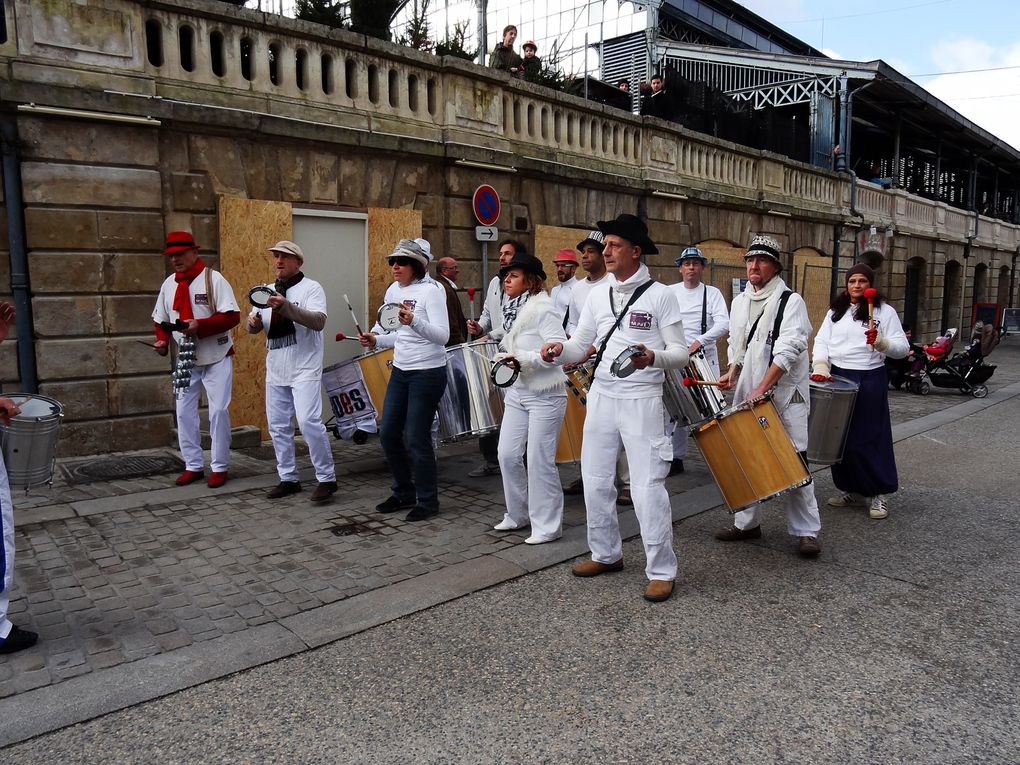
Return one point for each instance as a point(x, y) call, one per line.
point(847, 500)
point(878, 509)
point(507, 525)
point(537, 540)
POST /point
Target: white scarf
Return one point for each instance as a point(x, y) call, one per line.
point(623, 290)
point(755, 308)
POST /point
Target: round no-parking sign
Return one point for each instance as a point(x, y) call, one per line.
point(485, 203)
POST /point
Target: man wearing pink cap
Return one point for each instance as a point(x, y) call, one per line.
point(566, 264)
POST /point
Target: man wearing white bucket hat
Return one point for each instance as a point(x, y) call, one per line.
point(294, 319)
point(12, 638)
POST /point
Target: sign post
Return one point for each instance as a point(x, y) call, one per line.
point(486, 206)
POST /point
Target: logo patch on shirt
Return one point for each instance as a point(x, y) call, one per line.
point(410, 304)
point(640, 320)
point(202, 299)
point(223, 340)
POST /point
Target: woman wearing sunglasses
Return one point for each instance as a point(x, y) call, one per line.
point(417, 381)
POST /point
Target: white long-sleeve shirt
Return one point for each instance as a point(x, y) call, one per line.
point(578, 297)
point(420, 344)
point(491, 318)
point(561, 295)
point(843, 343)
point(692, 302)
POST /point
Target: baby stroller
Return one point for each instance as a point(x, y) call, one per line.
point(966, 371)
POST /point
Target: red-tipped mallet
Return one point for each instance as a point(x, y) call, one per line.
point(471, 301)
point(689, 381)
point(341, 336)
point(870, 293)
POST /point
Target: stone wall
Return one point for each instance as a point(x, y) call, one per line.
point(392, 132)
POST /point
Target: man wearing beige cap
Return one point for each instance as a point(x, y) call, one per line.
point(294, 319)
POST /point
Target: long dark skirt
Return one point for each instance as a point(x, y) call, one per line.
point(869, 465)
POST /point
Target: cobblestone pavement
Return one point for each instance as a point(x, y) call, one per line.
point(110, 587)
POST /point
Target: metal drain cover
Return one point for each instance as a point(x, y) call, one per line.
point(350, 529)
point(117, 468)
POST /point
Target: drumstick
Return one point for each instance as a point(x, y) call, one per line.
point(355, 318)
point(150, 345)
point(870, 293)
point(471, 301)
point(19, 404)
point(689, 381)
point(341, 336)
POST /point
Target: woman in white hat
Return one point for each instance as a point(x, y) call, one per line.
point(417, 381)
point(533, 408)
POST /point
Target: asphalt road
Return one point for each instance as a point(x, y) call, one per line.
point(896, 646)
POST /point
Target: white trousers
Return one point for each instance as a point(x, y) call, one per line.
point(802, 518)
point(216, 379)
point(302, 401)
point(531, 423)
point(638, 425)
point(6, 550)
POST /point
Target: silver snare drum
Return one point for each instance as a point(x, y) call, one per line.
point(472, 404)
point(30, 441)
point(695, 403)
point(832, 406)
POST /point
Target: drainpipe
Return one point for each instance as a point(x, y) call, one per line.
point(1012, 278)
point(18, 256)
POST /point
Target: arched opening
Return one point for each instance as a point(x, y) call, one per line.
point(393, 88)
point(301, 68)
point(326, 73)
point(216, 54)
point(1002, 288)
point(186, 46)
point(373, 83)
point(981, 283)
point(351, 78)
point(154, 42)
point(247, 63)
point(430, 94)
point(912, 294)
point(274, 63)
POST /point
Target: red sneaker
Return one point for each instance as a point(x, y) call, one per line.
point(216, 480)
point(189, 476)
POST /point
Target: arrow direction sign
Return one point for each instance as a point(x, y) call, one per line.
point(486, 233)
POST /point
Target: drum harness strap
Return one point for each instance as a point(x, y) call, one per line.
point(704, 309)
point(783, 300)
point(605, 341)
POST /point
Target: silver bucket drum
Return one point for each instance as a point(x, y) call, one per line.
point(692, 404)
point(832, 406)
point(472, 404)
point(29, 443)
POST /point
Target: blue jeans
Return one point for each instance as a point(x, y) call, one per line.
point(412, 398)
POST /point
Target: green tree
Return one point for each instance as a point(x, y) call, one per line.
point(332, 13)
point(417, 34)
point(453, 45)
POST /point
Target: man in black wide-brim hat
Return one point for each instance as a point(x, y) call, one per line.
point(638, 319)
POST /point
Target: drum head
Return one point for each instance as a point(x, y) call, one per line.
point(388, 316)
point(504, 372)
point(35, 406)
point(259, 296)
point(623, 365)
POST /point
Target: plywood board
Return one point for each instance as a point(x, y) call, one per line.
point(386, 227)
point(248, 228)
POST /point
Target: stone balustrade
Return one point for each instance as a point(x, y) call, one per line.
point(217, 55)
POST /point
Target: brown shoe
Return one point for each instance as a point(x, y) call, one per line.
point(594, 568)
point(283, 489)
point(623, 498)
point(658, 590)
point(575, 488)
point(733, 534)
point(808, 547)
point(323, 491)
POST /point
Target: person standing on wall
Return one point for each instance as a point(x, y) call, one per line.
point(705, 318)
point(12, 637)
point(201, 299)
point(295, 318)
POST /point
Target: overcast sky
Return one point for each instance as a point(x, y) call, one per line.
point(918, 37)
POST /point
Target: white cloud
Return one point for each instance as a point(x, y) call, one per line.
point(990, 99)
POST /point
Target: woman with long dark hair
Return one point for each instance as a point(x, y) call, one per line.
point(853, 342)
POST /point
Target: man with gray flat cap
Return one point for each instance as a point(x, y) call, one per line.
point(294, 319)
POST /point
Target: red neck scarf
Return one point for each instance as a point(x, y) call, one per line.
point(182, 297)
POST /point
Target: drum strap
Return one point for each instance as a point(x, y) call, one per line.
point(704, 309)
point(605, 341)
point(783, 300)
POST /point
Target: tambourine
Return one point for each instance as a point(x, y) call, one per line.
point(388, 316)
point(623, 365)
point(504, 372)
point(259, 296)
